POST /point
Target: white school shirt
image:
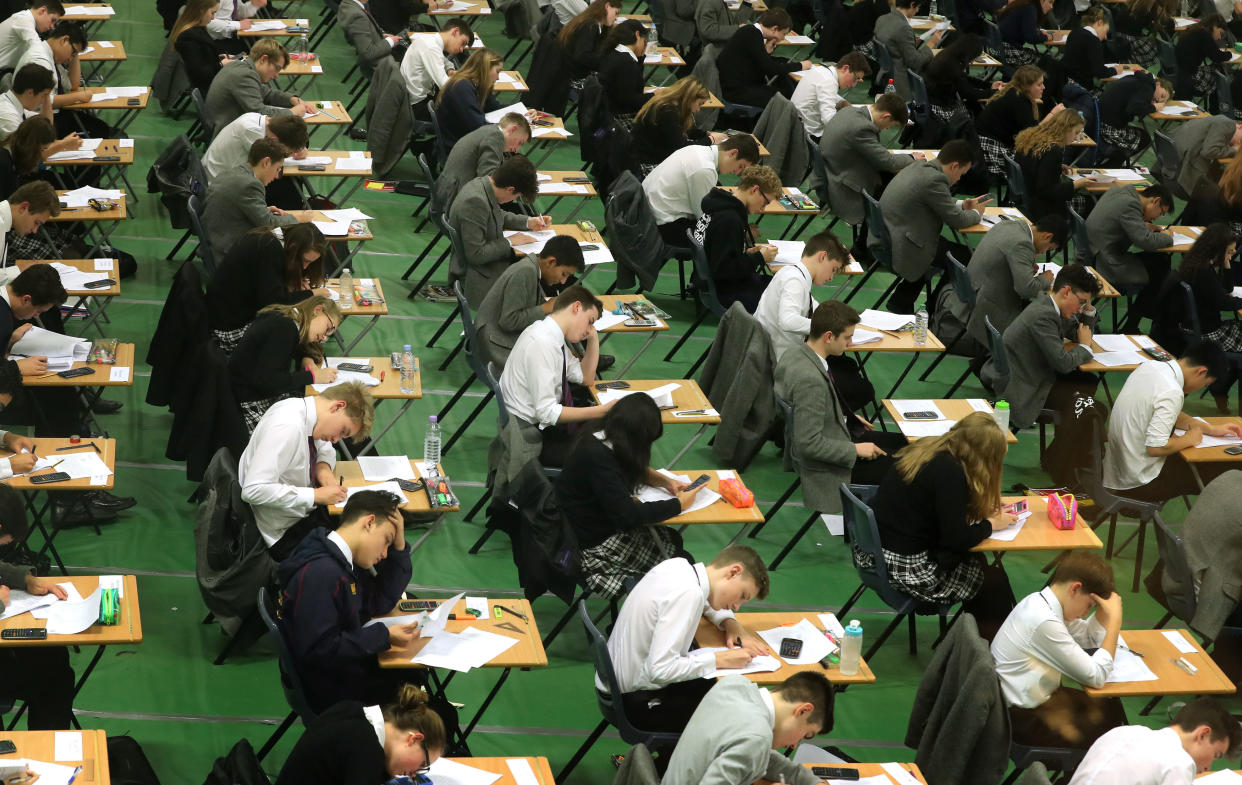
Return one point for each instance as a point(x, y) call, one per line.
point(816, 98)
point(676, 187)
point(1136, 755)
point(12, 113)
point(1035, 646)
point(423, 66)
point(531, 380)
point(566, 10)
point(274, 470)
point(650, 643)
point(1143, 416)
point(222, 25)
point(231, 147)
point(6, 224)
point(783, 308)
point(375, 716)
point(17, 34)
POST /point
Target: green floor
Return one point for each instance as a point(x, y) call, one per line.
point(185, 711)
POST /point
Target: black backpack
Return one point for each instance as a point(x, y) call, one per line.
point(239, 767)
point(128, 764)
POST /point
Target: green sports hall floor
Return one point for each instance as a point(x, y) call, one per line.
point(186, 712)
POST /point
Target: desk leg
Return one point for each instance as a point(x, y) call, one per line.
point(371, 324)
point(486, 702)
point(625, 369)
point(335, 133)
point(1194, 471)
point(913, 359)
point(688, 444)
point(372, 443)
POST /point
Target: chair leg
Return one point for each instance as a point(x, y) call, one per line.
point(686, 336)
point(850, 602)
point(571, 612)
point(767, 516)
point(789, 546)
point(1138, 556)
point(461, 344)
point(583, 750)
point(883, 637)
point(487, 533)
point(466, 423)
point(914, 637)
point(487, 494)
point(447, 322)
point(1163, 621)
point(275, 737)
point(960, 381)
point(702, 358)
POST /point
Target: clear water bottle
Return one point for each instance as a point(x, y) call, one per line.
point(890, 87)
point(935, 8)
point(851, 648)
point(1000, 413)
point(920, 326)
point(345, 288)
point(653, 39)
point(407, 372)
point(431, 446)
point(300, 50)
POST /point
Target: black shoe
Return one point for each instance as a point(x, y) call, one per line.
point(103, 406)
point(358, 134)
point(103, 501)
point(606, 361)
point(69, 515)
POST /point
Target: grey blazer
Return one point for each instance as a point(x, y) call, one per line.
point(1115, 224)
point(1035, 344)
point(484, 252)
point(821, 436)
point(1002, 273)
point(855, 158)
point(909, 53)
point(728, 741)
point(717, 24)
point(236, 203)
point(237, 89)
point(678, 26)
point(1213, 540)
point(511, 305)
point(916, 206)
point(363, 33)
point(478, 153)
point(1199, 144)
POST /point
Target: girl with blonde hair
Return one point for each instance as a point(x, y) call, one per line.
point(665, 124)
point(198, 50)
point(466, 97)
point(1039, 151)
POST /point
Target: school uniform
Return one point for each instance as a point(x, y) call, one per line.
point(236, 203)
point(238, 89)
point(675, 190)
point(621, 76)
point(481, 222)
point(17, 33)
point(263, 368)
point(1083, 59)
point(343, 744)
point(909, 53)
point(1136, 755)
point(514, 303)
point(659, 134)
point(424, 69)
point(41, 676)
point(1123, 102)
point(200, 56)
point(12, 113)
point(1048, 191)
point(536, 385)
point(459, 112)
point(1115, 225)
point(816, 98)
point(251, 277)
point(1143, 416)
point(325, 602)
point(746, 66)
point(724, 232)
point(856, 160)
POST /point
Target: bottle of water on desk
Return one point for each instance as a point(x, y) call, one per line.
point(345, 288)
point(653, 39)
point(851, 648)
point(300, 51)
point(407, 371)
point(431, 446)
point(1000, 413)
point(920, 327)
point(890, 87)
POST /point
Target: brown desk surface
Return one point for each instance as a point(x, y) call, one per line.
point(556, 124)
point(334, 108)
point(954, 408)
point(982, 228)
point(115, 103)
point(1190, 231)
point(106, 147)
point(668, 56)
point(1178, 117)
point(303, 67)
point(712, 101)
point(86, 266)
point(865, 770)
point(1083, 141)
point(46, 446)
point(1133, 179)
point(330, 170)
point(389, 387)
point(475, 9)
point(558, 176)
point(41, 745)
point(517, 85)
point(1058, 37)
point(89, 213)
point(128, 628)
point(610, 302)
point(104, 53)
point(710, 636)
point(1212, 454)
point(925, 23)
point(1159, 654)
point(528, 653)
point(898, 342)
point(102, 377)
point(272, 33)
point(374, 309)
point(543, 773)
point(351, 471)
point(719, 511)
point(1091, 366)
point(1038, 533)
point(1106, 288)
point(315, 215)
point(774, 207)
point(688, 395)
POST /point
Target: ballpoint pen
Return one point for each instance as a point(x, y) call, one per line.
point(521, 616)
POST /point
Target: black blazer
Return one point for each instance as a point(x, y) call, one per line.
point(340, 746)
point(1047, 193)
point(583, 54)
point(200, 55)
point(262, 364)
point(1127, 100)
point(1194, 48)
point(744, 62)
point(1083, 59)
point(658, 135)
point(458, 113)
point(1212, 296)
point(1005, 117)
point(621, 76)
point(251, 277)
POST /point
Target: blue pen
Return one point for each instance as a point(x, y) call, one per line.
point(76, 772)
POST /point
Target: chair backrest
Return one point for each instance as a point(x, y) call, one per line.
point(492, 380)
point(434, 203)
point(204, 241)
point(992, 35)
point(1000, 359)
point(1189, 325)
point(1167, 56)
point(609, 704)
point(959, 276)
point(204, 117)
point(457, 262)
point(295, 692)
point(1168, 162)
point(1082, 241)
point(819, 167)
point(918, 92)
point(1016, 181)
point(877, 226)
point(476, 355)
point(787, 412)
point(1177, 567)
point(1035, 774)
point(704, 284)
point(864, 534)
point(1224, 93)
point(639, 767)
point(884, 56)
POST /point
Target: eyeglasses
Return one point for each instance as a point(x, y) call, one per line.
point(331, 327)
point(426, 767)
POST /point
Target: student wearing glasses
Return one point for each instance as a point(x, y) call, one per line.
point(724, 232)
point(280, 354)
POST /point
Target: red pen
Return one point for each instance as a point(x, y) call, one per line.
point(382, 374)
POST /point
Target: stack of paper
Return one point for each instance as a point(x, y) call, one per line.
point(261, 25)
point(761, 664)
point(1187, 236)
point(1128, 666)
point(80, 197)
point(113, 93)
point(1113, 343)
point(787, 251)
point(310, 160)
point(653, 58)
point(1010, 532)
point(1047, 267)
point(1179, 107)
point(450, 772)
point(495, 115)
point(799, 40)
point(358, 161)
point(67, 745)
point(815, 645)
point(862, 336)
point(80, 465)
point(919, 430)
point(540, 238)
point(545, 131)
point(600, 255)
point(20, 602)
point(462, 651)
point(905, 407)
point(61, 351)
point(882, 320)
point(506, 78)
point(81, 10)
point(72, 155)
point(347, 214)
point(1117, 359)
point(609, 319)
point(342, 377)
point(48, 773)
point(706, 497)
point(662, 395)
point(69, 617)
point(378, 468)
point(391, 487)
point(72, 278)
point(563, 188)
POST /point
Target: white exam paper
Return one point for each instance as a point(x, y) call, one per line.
point(1113, 343)
point(905, 407)
point(815, 646)
point(1179, 641)
point(450, 772)
point(69, 617)
point(378, 468)
point(391, 487)
point(883, 320)
point(68, 746)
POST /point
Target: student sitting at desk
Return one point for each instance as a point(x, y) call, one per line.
point(621, 70)
point(1045, 638)
point(191, 40)
point(25, 211)
point(237, 200)
point(1201, 733)
point(24, 28)
point(1039, 152)
point(34, 291)
point(581, 38)
point(1123, 106)
point(426, 66)
point(1206, 267)
point(834, 444)
point(280, 353)
point(917, 204)
point(909, 53)
point(371, 44)
point(1083, 58)
point(1123, 218)
point(480, 222)
point(787, 304)
point(465, 98)
point(537, 377)
point(341, 744)
point(480, 153)
point(230, 18)
point(520, 296)
point(1018, 23)
point(29, 96)
point(724, 232)
point(940, 499)
point(231, 148)
point(261, 270)
point(1198, 51)
point(1003, 271)
point(620, 537)
point(59, 54)
point(284, 483)
point(1018, 106)
point(662, 681)
point(737, 732)
point(1141, 458)
point(665, 124)
point(22, 154)
point(1201, 143)
point(676, 187)
point(245, 86)
point(950, 86)
point(818, 94)
point(747, 64)
point(332, 584)
point(716, 21)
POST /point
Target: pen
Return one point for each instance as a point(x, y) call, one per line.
point(1136, 653)
point(690, 413)
point(521, 616)
point(329, 114)
point(74, 776)
point(92, 445)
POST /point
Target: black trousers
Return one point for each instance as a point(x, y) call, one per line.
point(872, 471)
point(317, 519)
point(1070, 718)
point(903, 297)
point(667, 709)
point(1175, 479)
point(1145, 304)
point(747, 293)
point(674, 233)
point(43, 678)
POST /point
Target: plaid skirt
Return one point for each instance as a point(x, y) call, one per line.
point(919, 576)
point(631, 552)
point(994, 155)
point(1013, 55)
point(227, 340)
point(1204, 80)
point(1228, 336)
point(626, 121)
point(253, 411)
point(1127, 137)
point(1143, 49)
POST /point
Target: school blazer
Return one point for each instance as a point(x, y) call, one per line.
point(477, 153)
point(1115, 224)
point(480, 223)
point(1213, 542)
point(822, 440)
point(1002, 275)
point(236, 203)
point(851, 148)
point(917, 205)
point(363, 33)
point(237, 89)
point(1035, 345)
point(1200, 143)
point(909, 53)
point(513, 304)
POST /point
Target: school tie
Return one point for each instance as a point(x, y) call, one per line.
point(567, 395)
point(314, 454)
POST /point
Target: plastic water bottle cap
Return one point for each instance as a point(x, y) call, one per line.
point(433, 418)
point(855, 624)
point(406, 348)
point(1002, 405)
